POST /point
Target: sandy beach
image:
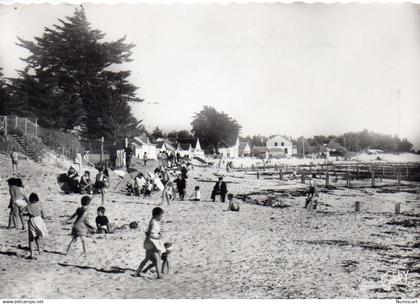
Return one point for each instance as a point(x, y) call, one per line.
point(259, 252)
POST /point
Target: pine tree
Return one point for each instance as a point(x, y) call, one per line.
point(67, 75)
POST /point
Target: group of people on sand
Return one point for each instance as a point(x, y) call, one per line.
point(73, 183)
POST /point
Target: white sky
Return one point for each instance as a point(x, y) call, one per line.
point(292, 69)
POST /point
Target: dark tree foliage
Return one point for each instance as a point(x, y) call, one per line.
point(70, 76)
point(157, 133)
point(215, 129)
point(3, 93)
point(360, 141)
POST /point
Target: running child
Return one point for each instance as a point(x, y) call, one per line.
point(101, 182)
point(81, 225)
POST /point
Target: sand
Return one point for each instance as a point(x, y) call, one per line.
point(259, 252)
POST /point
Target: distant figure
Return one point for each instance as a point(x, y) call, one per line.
point(101, 183)
point(145, 158)
point(153, 244)
point(312, 197)
point(113, 156)
point(178, 157)
point(233, 204)
point(15, 158)
point(168, 193)
point(196, 196)
point(184, 172)
point(102, 222)
point(181, 185)
point(81, 225)
point(85, 184)
point(219, 188)
point(128, 156)
point(36, 225)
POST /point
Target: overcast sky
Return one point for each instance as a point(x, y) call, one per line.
point(292, 69)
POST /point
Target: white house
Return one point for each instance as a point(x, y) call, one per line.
point(232, 151)
point(278, 141)
point(190, 147)
point(142, 144)
point(244, 149)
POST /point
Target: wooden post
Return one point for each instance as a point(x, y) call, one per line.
point(36, 126)
point(270, 201)
point(5, 127)
point(348, 180)
point(397, 208)
point(357, 206)
point(395, 171)
point(280, 174)
point(102, 148)
point(327, 179)
point(398, 181)
point(302, 177)
point(357, 170)
point(263, 165)
point(383, 171)
point(258, 174)
point(26, 125)
point(407, 173)
point(372, 174)
point(16, 122)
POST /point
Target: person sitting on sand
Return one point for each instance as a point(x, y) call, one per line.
point(219, 188)
point(81, 225)
point(18, 202)
point(153, 244)
point(36, 225)
point(196, 195)
point(168, 193)
point(233, 204)
point(101, 183)
point(72, 180)
point(148, 187)
point(164, 258)
point(86, 185)
point(139, 183)
point(102, 222)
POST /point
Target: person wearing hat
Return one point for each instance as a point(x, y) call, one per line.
point(72, 180)
point(219, 188)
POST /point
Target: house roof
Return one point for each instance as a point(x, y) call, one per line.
point(141, 140)
point(275, 135)
point(259, 149)
point(335, 146)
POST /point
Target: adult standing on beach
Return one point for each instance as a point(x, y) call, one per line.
point(128, 155)
point(145, 158)
point(113, 156)
point(219, 188)
point(15, 158)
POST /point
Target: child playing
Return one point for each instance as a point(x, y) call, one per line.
point(196, 196)
point(81, 226)
point(153, 243)
point(102, 223)
point(168, 192)
point(15, 158)
point(36, 225)
point(86, 183)
point(233, 205)
point(165, 260)
point(101, 183)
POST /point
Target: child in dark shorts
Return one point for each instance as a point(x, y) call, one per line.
point(102, 222)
